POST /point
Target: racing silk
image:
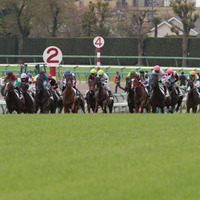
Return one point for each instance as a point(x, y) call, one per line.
point(53, 83)
point(14, 80)
point(145, 79)
point(90, 78)
point(73, 80)
point(30, 83)
point(44, 79)
point(160, 74)
point(172, 78)
point(104, 80)
point(195, 79)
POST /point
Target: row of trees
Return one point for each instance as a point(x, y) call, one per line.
point(62, 18)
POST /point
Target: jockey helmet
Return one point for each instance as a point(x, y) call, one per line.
point(192, 73)
point(141, 70)
point(169, 71)
point(133, 72)
point(93, 71)
point(157, 68)
point(49, 76)
point(30, 75)
point(67, 71)
point(100, 72)
point(23, 75)
point(41, 72)
point(10, 74)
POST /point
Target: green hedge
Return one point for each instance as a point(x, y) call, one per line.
point(9, 46)
point(169, 47)
point(194, 51)
point(166, 47)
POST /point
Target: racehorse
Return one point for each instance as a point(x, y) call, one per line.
point(141, 98)
point(57, 102)
point(70, 101)
point(12, 99)
point(29, 100)
point(42, 97)
point(90, 97)
point(157, 96)
point(174, 98)
point(130, 98)
point(102, 98)
point(193, 98)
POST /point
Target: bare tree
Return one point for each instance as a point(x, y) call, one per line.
point(94, 19)
point(185, 9)
point(19, 16)
point(138, 21)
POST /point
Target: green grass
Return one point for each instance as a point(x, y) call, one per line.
point(118, 156)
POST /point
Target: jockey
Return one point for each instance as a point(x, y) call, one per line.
point(172, 77)
point(145, 79)
point(130, 75)
point(14, 80)
point(44, 78)
point(161, 78)
point(54, 84)
point(92, 75)
point(195, 78)
point(104, 79)
point(31, 88)
point(69, 73)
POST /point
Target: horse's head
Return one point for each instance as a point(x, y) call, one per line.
point(9, 87)
point(91, 86)
point(39, 85)
point(190, 86)
point(97, 82)
point(69, 80)
point(154, 80)
point(134, 82)
point(23, 86)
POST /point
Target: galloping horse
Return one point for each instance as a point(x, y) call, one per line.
point(102, 98)
point(90, 97)
point(29, 100)
point(70, 102)
point(42, 97)
point(174, 98)
point(130, 98)
point(158, 96)
point(141, 98)
point(193, 98)
point(12, 99)
point(57, 101)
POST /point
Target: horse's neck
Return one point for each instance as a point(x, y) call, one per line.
point(68, 90)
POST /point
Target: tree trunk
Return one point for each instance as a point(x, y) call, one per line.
point(156, 30)
point(185, 49)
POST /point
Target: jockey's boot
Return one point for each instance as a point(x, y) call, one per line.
point(19, 92)
point(110, 94)
point(166, 92)
point(179, 92)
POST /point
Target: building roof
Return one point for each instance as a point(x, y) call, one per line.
point(169, 23)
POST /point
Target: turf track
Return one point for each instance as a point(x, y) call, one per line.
point(118, 156)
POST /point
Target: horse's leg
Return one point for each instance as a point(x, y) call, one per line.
point(153, 109)
point(83, 106)
point(88, 108)
point(179, 103)
point(96, 107)
point(194, 109)
point(111, 107)
point(136, 108)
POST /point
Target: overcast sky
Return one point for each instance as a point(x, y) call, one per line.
point(197, 3)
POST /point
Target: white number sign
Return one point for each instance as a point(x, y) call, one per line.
point(98, 42)
point(52, 56)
